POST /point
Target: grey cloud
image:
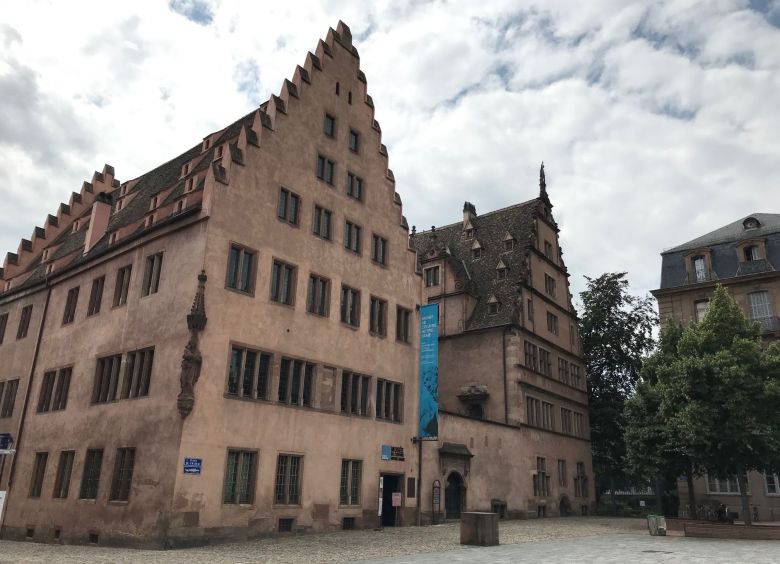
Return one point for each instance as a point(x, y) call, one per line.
point(197, 11)
point(247, 78)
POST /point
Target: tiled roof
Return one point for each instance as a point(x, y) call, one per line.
point(480, 275)
point(734, 232)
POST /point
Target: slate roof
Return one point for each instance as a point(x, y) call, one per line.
point(722, 245)
point(479, 275)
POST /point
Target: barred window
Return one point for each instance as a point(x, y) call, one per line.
point(123, 474)
point(378, 316)
point(64, 470)
point(531, 356)
point(90, 479)
point(55, 385)
point(349, 491)
point(248, 373)
point(70, 306)
point(354, 393)
point(533, 411)
point(350, 306)
point(138, 373)
point(296, 382)
point(240, 471)
point(545, 362)
point(106, 379)
point(563, 370)
point(288, 479)
point(388, 400)
point(317, 295)
point(541, 478)
point(547, 415)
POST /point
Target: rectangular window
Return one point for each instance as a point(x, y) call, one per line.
point(64, 470)
point(288, 480)
point(289, 206)
point(354, 393)
point(138, 373)
point(106, 379)
point(476, 253)
point(552, 323)
point(580, 481)
point(432, 276)
point(90, 480)
point(772, 483)
point(728, 485)
point(562, 479)
point(760, 307)
point(354, 186)
point(249, 373)
point(349, 490)
point(329, 127)
point(579, 425)
point(3, 324)
point(530, 310)
point(378, 249)
point(24, 322)
point(563, 370)
point(700, 309)
point(122, 285)
point(533, 412)
point(39, 470)
point(70, 306)
point(700, 269)
point(549, 285)
point(403, 324)
point(55, 385)
point(283, 283)
point(241, 269)
point(350, 306)
point(318, 295)
point(352, 236)
point(566, 421)
point(545, 362)
point(123, 474)
point(388, 400)
point(240, 477)
point(296, 382)
point(378, 317)
point(547, 416)
point(325, 169)
point(152, 274)
point(575, 375)
point(96, 296)
point(531, 356)
point(548, 250)
point(9, 398)
point(322, 222)
point(354, 140)
point(541, 478)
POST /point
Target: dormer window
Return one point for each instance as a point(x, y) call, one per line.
point(45, 256)
point(509, 242)
point(699, 268)
point(185, 170)
point(494, 306)
point(149, 221)
point(751, 223)
point(112, 238)
point(206, 144)
point(501, 270)
point(49, 268)
point(179, 206)
point(431, 276)
point(190, 184)
point(76, 225)
point(123, 190)
point(153, 202)
point(7, 285)
point(219, 152)
point(751, 253)
point(119, 205)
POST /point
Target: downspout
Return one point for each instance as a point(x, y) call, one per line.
point(26, 404)
point(506, 384)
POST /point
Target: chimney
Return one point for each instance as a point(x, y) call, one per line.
point(101, 213)
point(469, 213)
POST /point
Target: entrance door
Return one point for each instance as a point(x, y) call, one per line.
point(453, 496)
point(392, 484)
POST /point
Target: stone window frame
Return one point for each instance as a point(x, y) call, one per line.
point(742, 246)
point(690, 268)
point(251, 476)
point(252, 280)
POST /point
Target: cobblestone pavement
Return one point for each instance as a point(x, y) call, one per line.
point(588, 539)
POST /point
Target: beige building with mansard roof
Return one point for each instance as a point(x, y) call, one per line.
point(227, 346)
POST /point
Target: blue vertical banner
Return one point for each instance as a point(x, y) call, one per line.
point(429, 371)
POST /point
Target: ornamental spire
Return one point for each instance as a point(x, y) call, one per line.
point(543, 187)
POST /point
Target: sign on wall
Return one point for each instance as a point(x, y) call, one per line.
point(396, 499)
point(193, 465)
point(429, 371)
point(390, 452)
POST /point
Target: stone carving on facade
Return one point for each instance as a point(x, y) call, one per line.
point(192, 360)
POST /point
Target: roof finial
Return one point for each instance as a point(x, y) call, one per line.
point(543, 186)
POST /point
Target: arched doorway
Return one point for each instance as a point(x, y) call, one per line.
point(454, 495)
point(564, 507)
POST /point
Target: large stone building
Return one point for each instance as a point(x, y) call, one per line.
point(227, 346)
point(743, 256)
point(513, 381)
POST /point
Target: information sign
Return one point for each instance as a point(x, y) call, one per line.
point(192, 465)
point(396, 499)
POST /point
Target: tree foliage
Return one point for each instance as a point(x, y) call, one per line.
point(616, 329)
point(709, 396)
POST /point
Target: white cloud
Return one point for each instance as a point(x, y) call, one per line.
point(657, 121)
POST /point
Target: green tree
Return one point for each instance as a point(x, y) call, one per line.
point(712, 400)
point(616, 329)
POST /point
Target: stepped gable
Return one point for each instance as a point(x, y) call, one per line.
point(480, 279)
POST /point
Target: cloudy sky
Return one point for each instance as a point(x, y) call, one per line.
point(657, 121)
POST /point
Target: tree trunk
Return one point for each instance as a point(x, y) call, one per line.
point(612, 495)
point(691, 496)
point(658, 496)
point(742, 480)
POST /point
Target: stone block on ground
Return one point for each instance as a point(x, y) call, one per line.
point(479, 529)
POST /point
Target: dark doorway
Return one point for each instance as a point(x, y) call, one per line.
point(392, 484)
point(564, 507)
point(453, 496)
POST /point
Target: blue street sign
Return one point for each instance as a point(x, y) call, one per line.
point(192, 465)
point(6, 441)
